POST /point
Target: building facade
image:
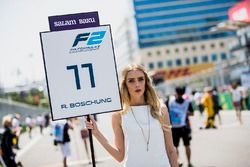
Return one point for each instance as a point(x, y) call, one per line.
point(180, 31)
point(161, 22)
point(173, 34)
point(189, 54)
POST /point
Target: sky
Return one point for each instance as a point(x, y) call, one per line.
point(21, 21)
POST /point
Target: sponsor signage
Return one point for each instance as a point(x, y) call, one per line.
point(173, 73)
point(73, 21)
point(81, 71)
point(240, 12)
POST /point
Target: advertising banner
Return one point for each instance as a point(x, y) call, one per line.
point(173, 73)
point(240, 12)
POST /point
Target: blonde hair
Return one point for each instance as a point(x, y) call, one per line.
point(150, 95)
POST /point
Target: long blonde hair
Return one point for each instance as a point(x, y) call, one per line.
point(150, 95)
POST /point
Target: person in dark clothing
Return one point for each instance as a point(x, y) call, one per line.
point(179, 110)
point(66, 140)
point(216, 104)
point(47, 118)
point(7, 144)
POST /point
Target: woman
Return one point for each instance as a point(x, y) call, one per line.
point(142, 129)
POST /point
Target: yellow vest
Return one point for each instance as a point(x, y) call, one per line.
point(208, 104)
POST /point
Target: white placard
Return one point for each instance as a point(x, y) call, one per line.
point(81, 72)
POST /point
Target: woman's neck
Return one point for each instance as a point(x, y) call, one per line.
point(137, 102)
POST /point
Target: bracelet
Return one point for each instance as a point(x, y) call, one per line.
point(166, 127)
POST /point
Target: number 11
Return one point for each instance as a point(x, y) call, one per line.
point(77, 78)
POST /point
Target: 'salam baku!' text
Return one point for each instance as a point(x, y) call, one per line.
point(73, 22)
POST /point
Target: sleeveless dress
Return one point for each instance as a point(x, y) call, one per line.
point(136, 154)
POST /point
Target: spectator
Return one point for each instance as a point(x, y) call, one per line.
point(236, 98)
point(62, 138)
point(207, 102)
point(7, 142)
point(47, 119)
point(29, 124)
point(16, 126)
point(216, 104)
point(40, 122)
point(180, 109)
point(197, 98)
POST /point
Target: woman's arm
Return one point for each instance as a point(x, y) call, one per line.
point(171, 151)
point(118, 151)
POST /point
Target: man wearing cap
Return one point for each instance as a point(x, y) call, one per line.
point(207, 102)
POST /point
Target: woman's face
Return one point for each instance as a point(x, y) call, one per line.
point(135, 82)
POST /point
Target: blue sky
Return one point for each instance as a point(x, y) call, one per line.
point(21, 21)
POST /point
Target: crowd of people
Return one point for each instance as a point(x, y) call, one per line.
point(60, 132)
point(181, 106)
point(12, 129)
point(209, 101)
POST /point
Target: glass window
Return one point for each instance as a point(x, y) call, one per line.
point(149, 54)
point(169, 63)
point(183, 6)
point(158, 52)
point(167, 51)
point(178, 62)
point(143, 44)
point(176, 50)
point(222, 44)
point(214, 57)
point(203, 47)
point(204, 59)
point(223, 56)
point(232, 56)
point(182, 14)
point(187, 61)
point(195, 60)
point(212, 45)
point(151, 66)
point(160, 64)
point(193, 48)
point(185, 49)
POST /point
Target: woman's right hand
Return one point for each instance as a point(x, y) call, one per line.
point(92, 125)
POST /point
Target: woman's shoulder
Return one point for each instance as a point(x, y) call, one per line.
point(116, 117)
point(117, 114)
point(163, 107)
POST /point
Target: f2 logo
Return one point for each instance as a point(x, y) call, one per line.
point(94, 39)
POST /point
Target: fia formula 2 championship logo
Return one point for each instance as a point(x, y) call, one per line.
point(87, 41)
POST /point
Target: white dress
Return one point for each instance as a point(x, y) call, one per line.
point(136, 154)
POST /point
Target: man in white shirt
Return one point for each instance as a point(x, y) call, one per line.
point(236, 98)
point(197, 98)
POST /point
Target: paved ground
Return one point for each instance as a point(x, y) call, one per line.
point(227, 146)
